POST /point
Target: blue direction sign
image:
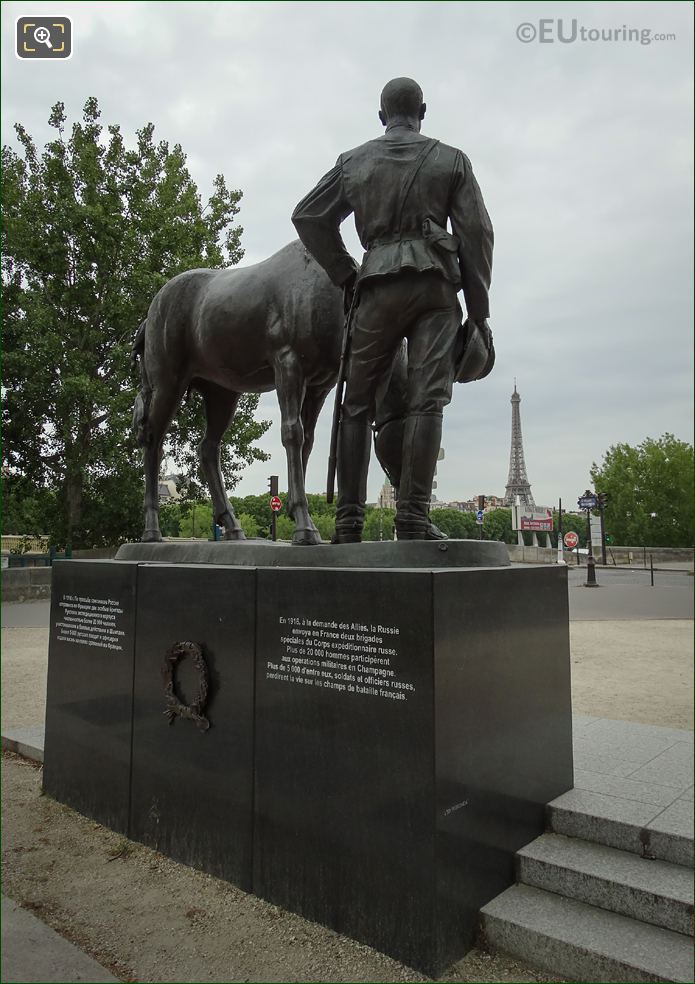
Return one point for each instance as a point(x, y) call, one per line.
point(479, 517)
point(587, 502)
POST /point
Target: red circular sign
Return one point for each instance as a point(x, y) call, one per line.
point(276, 503)
point(571, 540)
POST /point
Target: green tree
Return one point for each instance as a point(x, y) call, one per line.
point(378, 524)
point(325, 524)
point(25, 509)
point(650, 492)
point(497, 525)
point(91, 230)
point(248, 525)
point(196, 519)
point(456, 524)
point(170, 519)
point(285, 527)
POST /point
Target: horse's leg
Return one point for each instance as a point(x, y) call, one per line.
point(311, 408)
point(290, 385)
point(220, 405)
point(161, 409)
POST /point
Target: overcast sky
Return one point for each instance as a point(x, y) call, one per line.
point(583, 151)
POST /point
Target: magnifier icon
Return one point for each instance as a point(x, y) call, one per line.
point(43, 36)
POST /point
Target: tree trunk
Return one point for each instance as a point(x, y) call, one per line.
point(73, 493)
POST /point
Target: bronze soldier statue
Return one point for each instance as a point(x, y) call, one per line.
point(402, 187)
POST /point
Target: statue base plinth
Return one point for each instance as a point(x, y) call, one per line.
point(380, 742)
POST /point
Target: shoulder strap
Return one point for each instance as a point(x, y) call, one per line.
point(419, 161)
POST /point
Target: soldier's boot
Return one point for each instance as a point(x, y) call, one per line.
point(354, 445)
point(422, 434)
point(388, 446)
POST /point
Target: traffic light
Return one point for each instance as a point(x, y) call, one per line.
point(603, 498)
point(481, 502)
point(273, 484)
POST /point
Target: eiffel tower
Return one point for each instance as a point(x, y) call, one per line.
point(517, 482)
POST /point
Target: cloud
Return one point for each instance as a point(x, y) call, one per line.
point(583, 153)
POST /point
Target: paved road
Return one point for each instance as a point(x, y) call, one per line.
point(623, 593)
point(668, 578)
point(627, 593)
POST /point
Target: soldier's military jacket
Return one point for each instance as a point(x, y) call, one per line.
point(394, 184)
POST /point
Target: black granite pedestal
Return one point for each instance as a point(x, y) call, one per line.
point(192, 785)
point(90, 688)
point(410, 728)
point(373, 745)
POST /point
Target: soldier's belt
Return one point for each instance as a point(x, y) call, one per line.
point(393, 242)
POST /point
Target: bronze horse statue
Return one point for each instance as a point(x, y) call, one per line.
point(274, 325)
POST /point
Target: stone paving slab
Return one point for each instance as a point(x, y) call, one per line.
point(675, 819)
point(655, 892)
point(672, 767)
point(631, 789)
point(662, 757)
point(32, 951)
point(596, 727)
point(27, 742)
point(585, 943)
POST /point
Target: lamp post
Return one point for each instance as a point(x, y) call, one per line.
point(560, 558)
point(589, 501)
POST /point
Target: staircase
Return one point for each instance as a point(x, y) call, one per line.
point(599, 897)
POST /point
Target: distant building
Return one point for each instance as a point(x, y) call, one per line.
point(387, 497)
point(471, 505)
point(168, 491)
point(494, 502)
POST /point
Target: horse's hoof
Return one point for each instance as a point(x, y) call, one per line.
point(234, 535)
point(151, 536)
point(306, 538)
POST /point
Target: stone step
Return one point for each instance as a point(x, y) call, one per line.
point(654, 892)
point(581, 942)
point(645, 829)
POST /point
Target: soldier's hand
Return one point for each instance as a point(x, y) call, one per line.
point(486, 332)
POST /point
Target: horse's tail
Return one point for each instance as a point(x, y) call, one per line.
point(138, 347)
point(144, 397)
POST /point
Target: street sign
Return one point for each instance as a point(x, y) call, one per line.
point(276, 503)
point(479, 517)
point(587, 502)
point(571, 540)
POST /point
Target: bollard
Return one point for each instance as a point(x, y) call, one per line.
point(591, 572)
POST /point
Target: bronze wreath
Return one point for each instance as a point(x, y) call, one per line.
point(175, 708)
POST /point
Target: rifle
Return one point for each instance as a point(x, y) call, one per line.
point(338, 405)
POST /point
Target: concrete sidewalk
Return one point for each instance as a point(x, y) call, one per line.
point(33, 952)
